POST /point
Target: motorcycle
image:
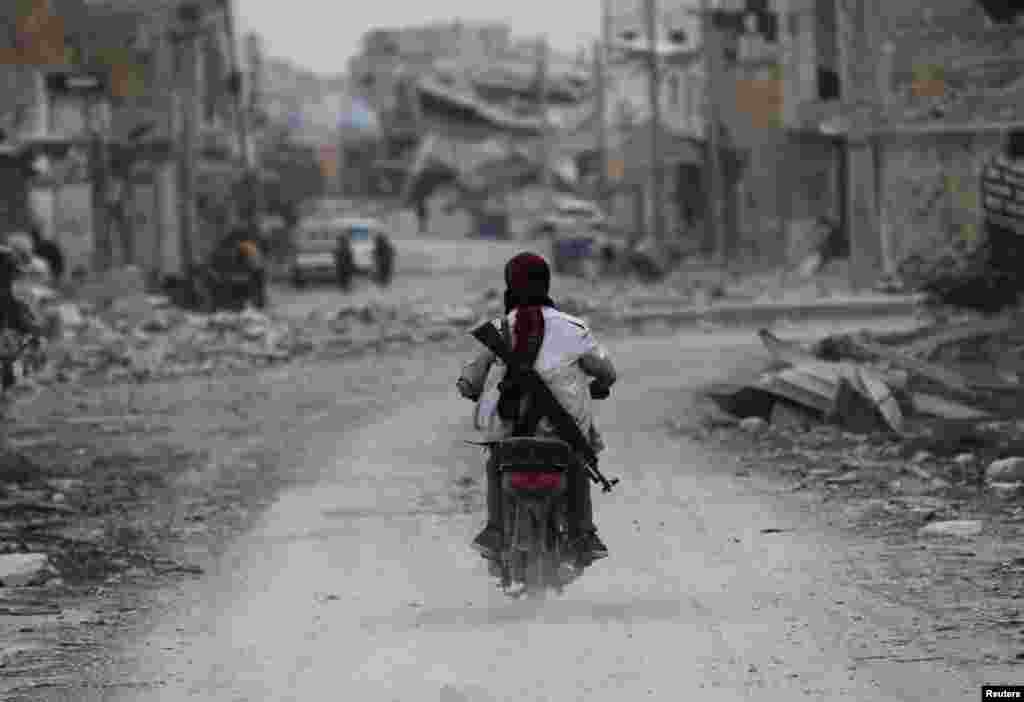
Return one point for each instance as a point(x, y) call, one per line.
point(535, 477)
point(538, 555)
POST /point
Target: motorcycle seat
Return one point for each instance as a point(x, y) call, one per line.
point(538, 453)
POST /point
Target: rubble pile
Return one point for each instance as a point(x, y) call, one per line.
point(86, 517)
point(935, 409)
point(792, 288)
point(705, 284)
point(959, 276)
point(150, 339)
point(147, 338)
point(158, 341)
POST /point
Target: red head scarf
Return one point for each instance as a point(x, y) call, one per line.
point(528, 278)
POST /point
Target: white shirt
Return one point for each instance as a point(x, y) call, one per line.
point(566, 339)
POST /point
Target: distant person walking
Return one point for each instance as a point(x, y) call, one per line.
point(422, 216)
point(344, 263)
point(50, 252)
point(384, 259)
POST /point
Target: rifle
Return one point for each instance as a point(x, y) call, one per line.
point(565, 425)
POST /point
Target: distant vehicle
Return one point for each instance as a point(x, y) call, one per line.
point(317, 240)
point(580, 238)
point(572, 213)
point(361, 232)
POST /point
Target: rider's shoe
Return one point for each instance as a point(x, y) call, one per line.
point(494, 569)
point(489, 542)
point(590, 547)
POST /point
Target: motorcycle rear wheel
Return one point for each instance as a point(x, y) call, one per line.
point(542, 558)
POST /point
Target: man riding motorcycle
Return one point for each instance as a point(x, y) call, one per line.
point(570, 361)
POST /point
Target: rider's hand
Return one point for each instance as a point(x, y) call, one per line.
point(599, 391)
point(466, 390)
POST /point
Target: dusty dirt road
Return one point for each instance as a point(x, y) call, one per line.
point(359, 583)
point(425, 268)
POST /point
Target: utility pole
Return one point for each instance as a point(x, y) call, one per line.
point(103, 253)
point(190, 19)
point(600, 110)
point(713, 76)
point(859, 35)
point(601, 53)
point(236, 84)
point(654, 95)
point(543, 60)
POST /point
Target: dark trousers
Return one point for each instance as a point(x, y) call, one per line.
point(581, 506)
point(258, 288)
point(1005, 250)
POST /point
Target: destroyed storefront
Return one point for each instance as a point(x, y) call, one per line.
point(930, 196)
point(215, 187)
point(950, 97)
point(684, 184)
point(15, 174)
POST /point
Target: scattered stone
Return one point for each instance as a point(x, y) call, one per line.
point(958, 528)
point(132, 310)
point(1006, 470)
point(921, 457)
point(1006, 490)
point(855, 411)
point(965, 459)
point(168, 344)
point(754, 425)
point(69, 316)
point(789, 416)
point(24, 569)
point(917, 471)
point(847, 478)
point(159, 322)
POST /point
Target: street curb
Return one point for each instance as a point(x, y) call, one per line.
point(768, 313)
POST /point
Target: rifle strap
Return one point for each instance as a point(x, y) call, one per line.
point(544, 399)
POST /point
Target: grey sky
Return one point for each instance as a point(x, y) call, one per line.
point(322, 34)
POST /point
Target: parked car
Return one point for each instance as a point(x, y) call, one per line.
point(317, 245)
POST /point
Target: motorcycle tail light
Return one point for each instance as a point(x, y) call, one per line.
point(535, 481)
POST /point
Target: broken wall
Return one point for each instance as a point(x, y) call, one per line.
point(760, 202)
point(930, 190)
point(807, 175)
point(947, 65)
